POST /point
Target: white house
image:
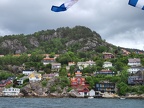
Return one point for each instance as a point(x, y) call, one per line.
point(134, 62)
point(83, 65)
point(27, 72)
point(91, 62)
point(91, 93)
point(55, 66)
point(107, 64)
point(11, 91)
point(135, 69)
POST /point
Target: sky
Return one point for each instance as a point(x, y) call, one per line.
point(117, 22)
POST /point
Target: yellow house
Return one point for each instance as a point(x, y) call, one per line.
point(33, 77)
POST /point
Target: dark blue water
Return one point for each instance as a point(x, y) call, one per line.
point(69, 103)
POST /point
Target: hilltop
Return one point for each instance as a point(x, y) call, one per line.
point(76, 39)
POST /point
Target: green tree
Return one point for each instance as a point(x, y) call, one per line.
point(52, 55)
point(72, 69)
point(124, 76)
point(44, 83)
point(99, 63)
point(122, 88)
point(119, 66)
point(142, 88)
point(101, 49)
point(90, 81)
point(63, 72)
point(4, 75)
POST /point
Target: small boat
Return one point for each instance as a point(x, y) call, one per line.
point(90, 97)
point(122, 98)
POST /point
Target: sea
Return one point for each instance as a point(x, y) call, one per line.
point(6, 102)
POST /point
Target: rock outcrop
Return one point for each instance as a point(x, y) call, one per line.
point(14, 45)
point(36, 89)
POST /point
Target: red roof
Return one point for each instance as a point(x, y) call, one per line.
point(82, 89)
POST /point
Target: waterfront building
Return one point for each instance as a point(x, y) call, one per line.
point(11, 91)
point(105, 86)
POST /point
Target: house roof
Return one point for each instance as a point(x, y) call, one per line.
point(75, 79)
point(106, 62)
point(78, 73)
point(105, 81)
point(56, 64)
point(131, 60)
point(29, 70)
point(48, 58)
point(71, 63)
point(105, 70)
point(82, 88)
point(4, 82)
point(107, 53)
point(1, 55)
point(32, 75)
point(50, 75)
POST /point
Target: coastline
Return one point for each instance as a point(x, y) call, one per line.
point(94, 97)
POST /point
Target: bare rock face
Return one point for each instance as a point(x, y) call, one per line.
point(49, 37)
point(26, 91)
point(34, 41)
point(14, 68)
point(74, 93)
point(74, 42)
point(15, 45)
point(36, 89)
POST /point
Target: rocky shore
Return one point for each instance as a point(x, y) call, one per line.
point(72, 94)
point(36, 89)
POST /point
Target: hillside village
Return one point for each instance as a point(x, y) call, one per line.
point(109, 75)
point(68, 62)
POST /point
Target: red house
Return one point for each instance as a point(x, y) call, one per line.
point(78, 79)
point(4, 83)
point(107, 55)
point(79, 83)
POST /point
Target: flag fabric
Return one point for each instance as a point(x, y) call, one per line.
point(137, 3)
point(64, 6)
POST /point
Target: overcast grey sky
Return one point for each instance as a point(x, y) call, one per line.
point(116, 21)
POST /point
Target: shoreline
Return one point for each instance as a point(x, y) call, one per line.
point(122, 98)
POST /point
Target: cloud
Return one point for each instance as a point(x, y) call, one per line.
point(5, 31)
point(129, 39)
point(116, 21)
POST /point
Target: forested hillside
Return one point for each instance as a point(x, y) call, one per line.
point(61, 40)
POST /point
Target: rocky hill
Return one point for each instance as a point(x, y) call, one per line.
point(79, 38)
